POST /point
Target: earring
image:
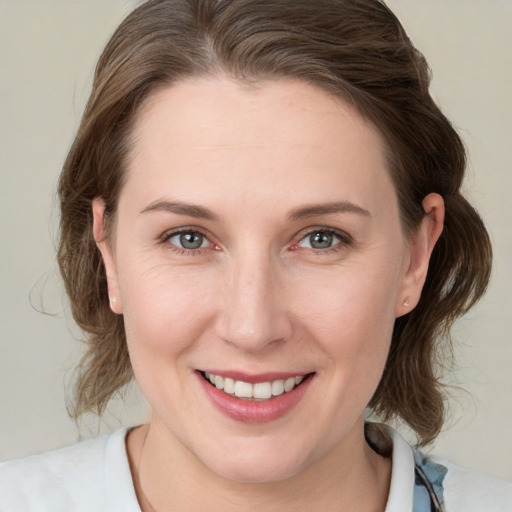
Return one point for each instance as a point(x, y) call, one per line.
point(405, 303)
point(113, 299)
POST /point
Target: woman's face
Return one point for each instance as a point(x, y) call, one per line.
point(257, 239)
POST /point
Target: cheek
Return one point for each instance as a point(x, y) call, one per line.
point(350, 314)
point(350, 301)
point(165, 309)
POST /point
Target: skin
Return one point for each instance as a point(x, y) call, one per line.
point(257, 297)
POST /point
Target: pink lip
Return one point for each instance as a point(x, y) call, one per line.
point(254, 411)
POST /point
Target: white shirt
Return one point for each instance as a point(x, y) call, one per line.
point(94, 475)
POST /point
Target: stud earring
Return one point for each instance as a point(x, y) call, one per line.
point(113, 299)
point(405, 303)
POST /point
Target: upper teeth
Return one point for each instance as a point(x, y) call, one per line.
point(260, 390)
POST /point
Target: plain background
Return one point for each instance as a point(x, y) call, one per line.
point(48, 51)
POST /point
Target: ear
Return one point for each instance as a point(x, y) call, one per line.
point(107, 254)
point(420, 250)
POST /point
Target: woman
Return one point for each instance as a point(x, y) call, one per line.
point(261, 222)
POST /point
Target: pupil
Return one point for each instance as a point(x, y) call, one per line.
point(191, 240)
point(321, 240)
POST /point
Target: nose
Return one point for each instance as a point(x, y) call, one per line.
point(254, 314)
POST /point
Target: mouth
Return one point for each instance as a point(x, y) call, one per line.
point(257, 391)
point(254, 398)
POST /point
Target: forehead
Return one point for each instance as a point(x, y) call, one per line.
point(219, 136)
point(198, 106)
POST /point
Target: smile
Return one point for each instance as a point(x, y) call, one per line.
point(256, 391)
point(265, 398)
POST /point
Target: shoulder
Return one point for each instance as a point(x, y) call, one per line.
point(468, 490)
point(433, 483)
point(462, 489)
point(71, 479)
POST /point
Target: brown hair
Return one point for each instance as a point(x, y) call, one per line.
point(354, 49)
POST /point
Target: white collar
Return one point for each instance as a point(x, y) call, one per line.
point(401, 490)
point(119, 484)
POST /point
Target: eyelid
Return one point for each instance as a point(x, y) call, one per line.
point(324, 229)
point(203, 245)
point(346, 238)
point(167, 235)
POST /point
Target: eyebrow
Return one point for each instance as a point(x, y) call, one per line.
point(315, 210)
point(303, 212)
point(191, 210)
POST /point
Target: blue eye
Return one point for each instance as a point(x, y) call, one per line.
point(189, 240)
point(320, 239)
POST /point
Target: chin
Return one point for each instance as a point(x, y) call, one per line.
point(257, 464)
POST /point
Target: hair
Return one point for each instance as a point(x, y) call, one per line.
point(357, 51)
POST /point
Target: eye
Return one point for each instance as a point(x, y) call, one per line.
point(320, 239)
point(189, 240)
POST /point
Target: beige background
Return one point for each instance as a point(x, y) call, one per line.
point(47, 53)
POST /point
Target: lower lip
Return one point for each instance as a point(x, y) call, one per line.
point(255, 411)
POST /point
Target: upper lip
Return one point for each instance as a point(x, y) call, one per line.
point(254, 378)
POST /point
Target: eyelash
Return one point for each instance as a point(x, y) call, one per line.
point(345, 241)
point(165, 239)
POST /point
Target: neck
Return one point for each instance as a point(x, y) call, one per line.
point(169, 479)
